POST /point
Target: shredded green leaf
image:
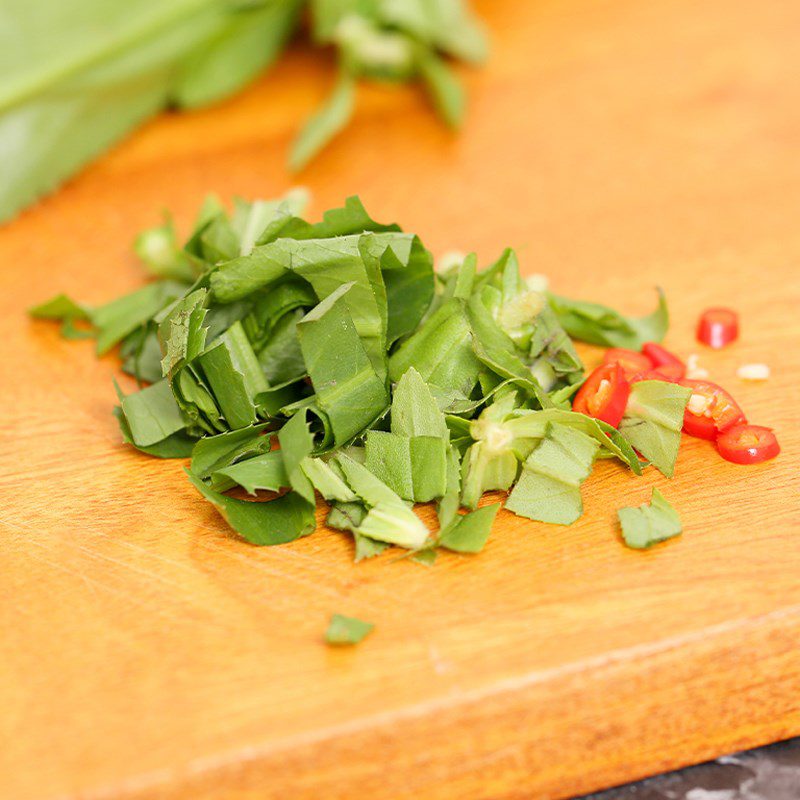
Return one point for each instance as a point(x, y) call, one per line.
point(598, 324)
point(301, 360)
point(344, 630)
point(549, 488)
point(650, 523)
point(653, 421)
point(468, 533)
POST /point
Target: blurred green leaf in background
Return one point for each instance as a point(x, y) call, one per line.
point(79, 74)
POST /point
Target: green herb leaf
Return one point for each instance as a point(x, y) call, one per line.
point(346, 630)
point(496, 350)
point(347, 220)
point(653, 421)
point(70, 331)
point(348, 390)
point(263, 472)
point(325, 124)
point(447, 508)
point(278, 521)
point(396, 524)
point(159, 251)
point(598, 324)
point(115, 320)
point(468, 533)
point(327, 481)
point(549, 488)
point(196, 401)
point(249, 40)
point(296, 444)
point(181, 332)
point(347, 517)
point(214, 453)
point(412, 458)
point(365, 484)
point(152, 414)
point(446, 93)
point(441, 351)
point(177, 445)
point(526, 427)
point(60, 307)
point(414, 467)
point(486, 467)
point(414, 409)
point(650, 523)
point(367, 548)
point(389, 519)
point(234, 376)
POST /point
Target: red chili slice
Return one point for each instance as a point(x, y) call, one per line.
point(718, 327)
point(710, 410)
point(604, 394)
point(632, 363)
point(748, 444)
point(668, 364)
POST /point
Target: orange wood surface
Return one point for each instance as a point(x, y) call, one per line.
point(148, 654)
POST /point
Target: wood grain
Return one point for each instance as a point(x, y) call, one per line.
point(147, 654)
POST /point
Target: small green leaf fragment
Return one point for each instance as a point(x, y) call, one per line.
point(296, 444)
point(441, 350)
point(389, 460)
point(214, 453)
point(446, 92)
point(468, 533)
point(234, 375)
point(415, 411)
point(326, 481)
point(650, 523)
point(115, 320)
point(347, 517)
point(549, 487)
point(427, 556)
point(545, 499)
point(653, 421)
point(264, 472)
point(599, 324)
point(284, 519)
point(178, 445)
point(181, 332)
point(367, 548)
point(344, 630)
point(152, 414)
point(394, 523)
point(371, 489)
point(449, 502)
point(158, 250)
point(59, 307)
point(70, 331)
point(348, 389)
point(325, 124)
point(413, 467)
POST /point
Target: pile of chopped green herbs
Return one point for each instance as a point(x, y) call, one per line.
point(79, 74)
point(330, 358)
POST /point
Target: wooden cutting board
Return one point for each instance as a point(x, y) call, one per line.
point(148, 654)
